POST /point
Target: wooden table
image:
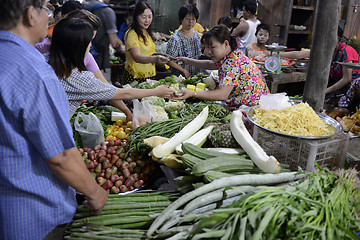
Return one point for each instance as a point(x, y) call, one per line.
point(273, 80)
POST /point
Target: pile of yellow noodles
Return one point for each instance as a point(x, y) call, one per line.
point(297, 120)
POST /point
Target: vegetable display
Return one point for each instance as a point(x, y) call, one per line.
point(323, 206)
point(252, 148)
point(123, 216)
point(166, 128)
point(215, 110)
point(113, 170)
point(165, 149)
point(251, 179)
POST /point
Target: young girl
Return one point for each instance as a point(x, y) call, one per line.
point(70, 43)
point(262, 35)
point(240, 81)
point(185, 42)
point(139, 44)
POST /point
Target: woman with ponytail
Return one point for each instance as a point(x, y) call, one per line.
point(240, 81)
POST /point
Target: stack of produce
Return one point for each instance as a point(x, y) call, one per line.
point(123, 217)
point(225, 191)
point(113, 170)
point(311, 206)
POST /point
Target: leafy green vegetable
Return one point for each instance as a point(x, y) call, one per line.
point(323, 206)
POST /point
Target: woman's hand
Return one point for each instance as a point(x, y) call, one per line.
point(181, 59)
point(185, 95)
point(161, 59)
point(163, 91)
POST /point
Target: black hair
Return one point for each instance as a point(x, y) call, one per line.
point(12, 10)
point(57, 10)
point(70, 40)
point(263, 26)
point(220, 33)
point(225, 21)
point(70, 6)
point(185, 10)
point(94, 20)
point(250, 6)
point(129, 12)
point(140, 8)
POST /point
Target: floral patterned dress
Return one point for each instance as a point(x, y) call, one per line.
point(239, 71)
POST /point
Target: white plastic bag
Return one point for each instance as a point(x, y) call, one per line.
point(143, 113)
point(275, 101)
point(90, 129)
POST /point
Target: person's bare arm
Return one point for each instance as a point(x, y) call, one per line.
point(134, 93)
point(241, 29)
point(295, 54)
point(115, 42)
point(203, 64)
point(176, 66)
point(221, 93)
point(346, 79)
point(70, 168)
point(140, 58)
point(116, 103)
point(98, 74)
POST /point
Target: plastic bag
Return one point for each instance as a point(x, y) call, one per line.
point(90, 129)
point(143, 113)
point(276, 101)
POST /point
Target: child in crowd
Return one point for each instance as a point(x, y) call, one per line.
point(262, 36)
point(240, 81)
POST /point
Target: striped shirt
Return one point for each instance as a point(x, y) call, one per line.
point(85, 86)
point(34, 126)
point(180, 46)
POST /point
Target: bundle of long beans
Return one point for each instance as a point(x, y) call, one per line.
point(165, 128)
point(123, 217)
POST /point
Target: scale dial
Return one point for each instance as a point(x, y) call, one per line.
point(272, 63)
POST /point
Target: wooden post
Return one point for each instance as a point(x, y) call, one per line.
point(322, 50)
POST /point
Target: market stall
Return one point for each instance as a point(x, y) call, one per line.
point(197, 170)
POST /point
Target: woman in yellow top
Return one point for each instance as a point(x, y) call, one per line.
point(139, 44)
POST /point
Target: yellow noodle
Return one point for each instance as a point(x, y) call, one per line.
point(297, 120)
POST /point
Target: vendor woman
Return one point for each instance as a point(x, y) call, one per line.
point(344, 82)
point(240, 81)
point(140, 45)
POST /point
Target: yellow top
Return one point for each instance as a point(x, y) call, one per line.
point(197, 28)
point(139, 70)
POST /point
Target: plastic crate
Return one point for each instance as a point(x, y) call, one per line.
point(330, 153)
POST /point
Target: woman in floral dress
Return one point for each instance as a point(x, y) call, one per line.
point(240, 81)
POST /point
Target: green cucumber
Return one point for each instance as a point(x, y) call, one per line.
point(190, 160)
point(222, 164)
point(210, 176)
point(202, 153)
